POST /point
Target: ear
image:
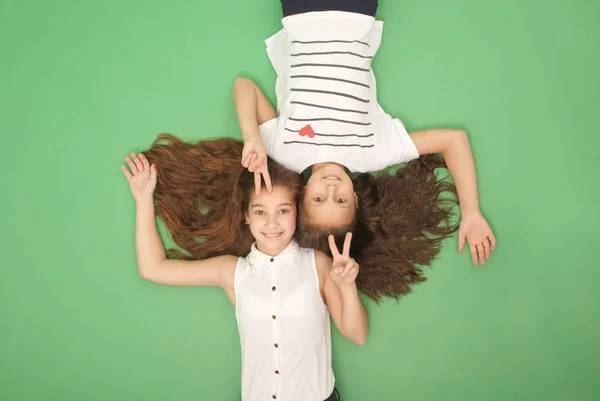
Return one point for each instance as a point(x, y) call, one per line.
point(356, 200)
point(247, 217)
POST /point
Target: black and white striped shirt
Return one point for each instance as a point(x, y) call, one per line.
point(327, 96)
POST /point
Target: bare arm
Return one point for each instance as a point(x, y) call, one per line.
point(454, 146)
point(153, 264)
point(253, 109)
point(341, 295)
point(456, 150)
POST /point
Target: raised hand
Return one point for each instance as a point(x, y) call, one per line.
point(142, 178)
point(254, 158)
point(345, 269)
point(476, 231)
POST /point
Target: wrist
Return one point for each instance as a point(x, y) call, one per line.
point(144, 201)
point(348, 289)
point(252, 135)
point(469, 210)
point(470, 214)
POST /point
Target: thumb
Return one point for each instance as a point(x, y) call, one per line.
point(461, 241)
point(153, 172)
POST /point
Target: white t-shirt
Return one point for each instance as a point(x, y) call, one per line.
point(284, 325)
point(327, 96)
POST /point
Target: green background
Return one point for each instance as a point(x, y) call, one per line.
point(82, 83)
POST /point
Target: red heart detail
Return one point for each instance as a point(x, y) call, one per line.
point(307, 131)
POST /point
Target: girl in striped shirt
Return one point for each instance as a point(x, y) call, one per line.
point(329, 124)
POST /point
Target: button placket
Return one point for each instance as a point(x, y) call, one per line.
point(275, 326)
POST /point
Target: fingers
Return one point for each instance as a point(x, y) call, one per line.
point(333, 247)
point(486, 247)
point(350, 269)
point(145, 162)
point(336, 273)
point(132, 166)
point(153, 172)
point(481, 254)
point(246, 161)
point(473, 249)
point(461, 242)
point(267, 179)
point(137, 161)
point(350, 273)
point(347, 242)
point(258, 161)
point(126, 172)
point(252, 165)
point(346, 274)
point(257, 183)
point(492, 240)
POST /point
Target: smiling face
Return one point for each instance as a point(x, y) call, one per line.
point(329, 197)
point(272, 219)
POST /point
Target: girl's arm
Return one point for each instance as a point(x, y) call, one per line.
point(153, 264)
point(341, 295)
point(253, 109)
point(456, 150)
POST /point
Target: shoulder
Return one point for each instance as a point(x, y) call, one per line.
point(225, 261)
point(323, 264)
point(323, 261)
point(241, 261)
point(227, 265)
point(311, 256)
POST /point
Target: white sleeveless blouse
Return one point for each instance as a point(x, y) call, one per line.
point(284, 325)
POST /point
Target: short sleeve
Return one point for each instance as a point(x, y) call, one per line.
point(267, 132)
point(399, 146)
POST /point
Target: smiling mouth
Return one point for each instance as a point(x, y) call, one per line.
point(332, 177)
point(273, 235)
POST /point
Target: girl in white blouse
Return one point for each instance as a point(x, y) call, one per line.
point(284, 295)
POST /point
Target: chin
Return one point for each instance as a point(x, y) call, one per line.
point(274, 243)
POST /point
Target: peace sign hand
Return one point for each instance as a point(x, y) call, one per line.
point(345, 269)
point(254, 158)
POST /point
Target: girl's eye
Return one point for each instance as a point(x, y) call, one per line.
point(341, 200)
point(284, 211)
point(318, 199)
point(259, 212)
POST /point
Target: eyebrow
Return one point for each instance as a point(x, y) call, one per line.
point(261, 205)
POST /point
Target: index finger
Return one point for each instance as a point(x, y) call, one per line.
point(257, 183)
point(347, 242)
point(333, 247)
point(267, 179)
point(246, 161)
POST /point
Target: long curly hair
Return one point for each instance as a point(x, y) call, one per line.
point(399, 227)
point(202, 192)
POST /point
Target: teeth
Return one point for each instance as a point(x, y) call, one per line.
point(272, 235)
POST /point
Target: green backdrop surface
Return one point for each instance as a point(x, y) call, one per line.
point(82, 83)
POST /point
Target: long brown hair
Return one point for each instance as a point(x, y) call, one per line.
point(202, 193)
point(399, 227)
